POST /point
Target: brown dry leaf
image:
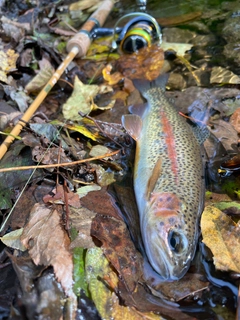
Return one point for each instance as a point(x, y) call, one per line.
point(118, 248)
point(147, 63)
point(48, 244)
point(113, 78)
point(235, 120)
point(81, 221)
point(49, 156)
point(41, 79)
point(59, 197)
point(221, 235)
point(187, 286)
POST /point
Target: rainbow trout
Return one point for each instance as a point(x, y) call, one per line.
point(168, 180)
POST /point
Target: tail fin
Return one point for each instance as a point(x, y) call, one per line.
point(144, 85)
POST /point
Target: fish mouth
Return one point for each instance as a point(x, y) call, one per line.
point(168, 264)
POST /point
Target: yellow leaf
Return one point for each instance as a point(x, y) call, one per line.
point(12, 239)
point(97, 269)
point(3, 76)
point(12, 57)
point(113, 78)
point(179, 48)
point(7, 63)
point(81, 100)
point(221, 235)
point(3, 60)
point(83, 130)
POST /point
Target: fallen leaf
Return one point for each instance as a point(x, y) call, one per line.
point(179, 48)
point(231, 106)
point(17, 157)
point(8, 60)
point(229, 207)
point(118, 248)
point(81, 100)
point(146, 63)
point(59, 197)
point(21, 98)
point(223, 76)
point(12, 239)
point(83, 5)
point(102, 56)
point(49, 156)
point(99, 150)
point(121, 95)
point(41, 79)
point(83, 130)
point(80, 282)
point(235, 119)
point(7, 63)
point(113, 78)
point(104, 177)
point(187, 286)
point(48, 244)
point(83, 191)
point(81, 221)
point(221, 235)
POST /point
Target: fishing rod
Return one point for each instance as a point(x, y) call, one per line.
point(76, 47)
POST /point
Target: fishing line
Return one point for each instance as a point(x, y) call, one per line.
point(30, 177)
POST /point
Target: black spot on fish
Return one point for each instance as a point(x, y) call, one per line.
point(171, 220)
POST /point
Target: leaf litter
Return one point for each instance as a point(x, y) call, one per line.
point(97, 255)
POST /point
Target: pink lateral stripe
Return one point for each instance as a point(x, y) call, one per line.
point(170, 143)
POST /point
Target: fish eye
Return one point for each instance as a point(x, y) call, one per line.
point(177, 242)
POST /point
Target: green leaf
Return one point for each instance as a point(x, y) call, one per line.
point(79, 271)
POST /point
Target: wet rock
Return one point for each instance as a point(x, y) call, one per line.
point(204, 40)
point(232, 51)
point(178, 35)
point(213, 15)
point(233, 7)
point(198, 26)
point(176, 81)
point(198, 77)
point(231, 29)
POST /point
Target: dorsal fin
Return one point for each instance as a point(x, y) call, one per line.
point(144, 85)
point(154, 177)
point(133, 125)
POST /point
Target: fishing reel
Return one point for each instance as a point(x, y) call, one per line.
point(139, 32)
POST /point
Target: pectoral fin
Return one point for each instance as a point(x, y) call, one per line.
point(154, 177)
point(133, 125)
point(138, 109)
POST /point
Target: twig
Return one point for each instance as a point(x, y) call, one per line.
point(65, 164)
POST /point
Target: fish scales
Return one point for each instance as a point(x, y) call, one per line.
point(168, 185)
